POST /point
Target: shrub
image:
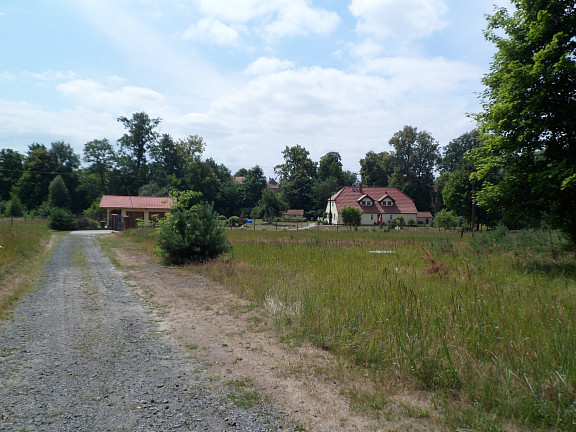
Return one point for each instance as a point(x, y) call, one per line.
point(15, 208)
point(191, 235)
point(62, 220)
point(351, 216)
point(446, 219)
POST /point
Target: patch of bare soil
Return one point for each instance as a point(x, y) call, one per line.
point(237, 342)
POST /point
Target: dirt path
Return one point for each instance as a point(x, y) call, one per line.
point(84, 353)
point(237, 343)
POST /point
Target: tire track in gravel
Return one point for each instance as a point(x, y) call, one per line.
point(82, 353)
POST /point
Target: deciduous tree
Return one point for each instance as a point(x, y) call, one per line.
point(528, 122)
point(415, 155)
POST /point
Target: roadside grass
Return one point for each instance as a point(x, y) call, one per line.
point(486, 324)
point(22, 255)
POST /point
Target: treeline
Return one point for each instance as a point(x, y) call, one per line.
point(146, 163)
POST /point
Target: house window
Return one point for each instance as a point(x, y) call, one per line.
point(366, 202)
point(391, 217)
point(371, 217)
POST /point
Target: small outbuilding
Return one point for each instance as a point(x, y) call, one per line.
point(123, 211)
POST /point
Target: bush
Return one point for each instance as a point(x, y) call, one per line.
point(62, 220)
point(191, 235)
point(351, 216)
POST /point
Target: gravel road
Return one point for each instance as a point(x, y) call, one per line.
point(83, 353)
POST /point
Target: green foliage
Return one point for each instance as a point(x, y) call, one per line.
point(192, 234)
point(415, 156)
point(351, 216)
point(15, 208)
point(376, 168)
point(493, 335)
point(297, 175)
point(11, 166)
point(446, 219)
point(62, 220)
point(58, 195)
point(528, 123)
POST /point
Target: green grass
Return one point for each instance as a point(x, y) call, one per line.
point(22, 253)
point(486, 324)
point(491, 321)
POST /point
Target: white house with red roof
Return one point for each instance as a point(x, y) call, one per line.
point(122, 211)
point(379, 205)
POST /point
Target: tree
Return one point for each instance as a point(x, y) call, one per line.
point(251, 188)
point(351, 216)
point(376, 168)
point(528, 122)
point(446, 219)
point(297, 174)
point(15, 208)
point(32, 186)
point(456, 154)
point(191, 232)
point(270, 204)
point(140, 137)
point(415, 156)
point(11, 168)
point(58, 195)
point(101, 154)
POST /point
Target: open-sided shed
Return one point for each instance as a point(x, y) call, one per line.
point(123, 211)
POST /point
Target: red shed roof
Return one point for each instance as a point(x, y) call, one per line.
point(119, 202)
point(349, 196)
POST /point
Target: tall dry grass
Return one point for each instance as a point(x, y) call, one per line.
point(491, 320)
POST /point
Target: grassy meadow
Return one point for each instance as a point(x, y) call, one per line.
point(22, 242)
point(486, 323)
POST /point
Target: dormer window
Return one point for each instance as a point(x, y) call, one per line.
point(366, 202)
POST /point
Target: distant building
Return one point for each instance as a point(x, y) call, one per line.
point(379, 205)
point(273, 185)
point(122, 211)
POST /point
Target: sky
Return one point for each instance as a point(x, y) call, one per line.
point(250, 77)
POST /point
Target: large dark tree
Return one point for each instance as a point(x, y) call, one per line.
point(32, 186)
point(297, 175)
point(141, 135)
point(11, 167)
point(376, 168)
point(415, 156)
point(528, 123)
point(251, 188)
point(100, 154)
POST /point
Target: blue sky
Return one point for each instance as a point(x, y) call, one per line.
point(249, 76)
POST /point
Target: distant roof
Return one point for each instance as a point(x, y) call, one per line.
point(426, 214)
point(239, 179)
point(118, 202)
point(294, 212)
point(349, 196)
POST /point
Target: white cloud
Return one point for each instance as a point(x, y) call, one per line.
point(94, 95)
point(272, 18)
point(400, 19)
point(212, 31)
point(296, 17)
point(267, 65)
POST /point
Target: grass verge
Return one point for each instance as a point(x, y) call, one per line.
point(23, 252)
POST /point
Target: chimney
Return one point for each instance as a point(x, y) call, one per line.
point(360, 188)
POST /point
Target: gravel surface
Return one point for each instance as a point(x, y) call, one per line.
point(83, 353)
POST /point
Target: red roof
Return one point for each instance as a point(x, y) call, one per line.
point(350, 196)
point(139, 202)
point(425, 215)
